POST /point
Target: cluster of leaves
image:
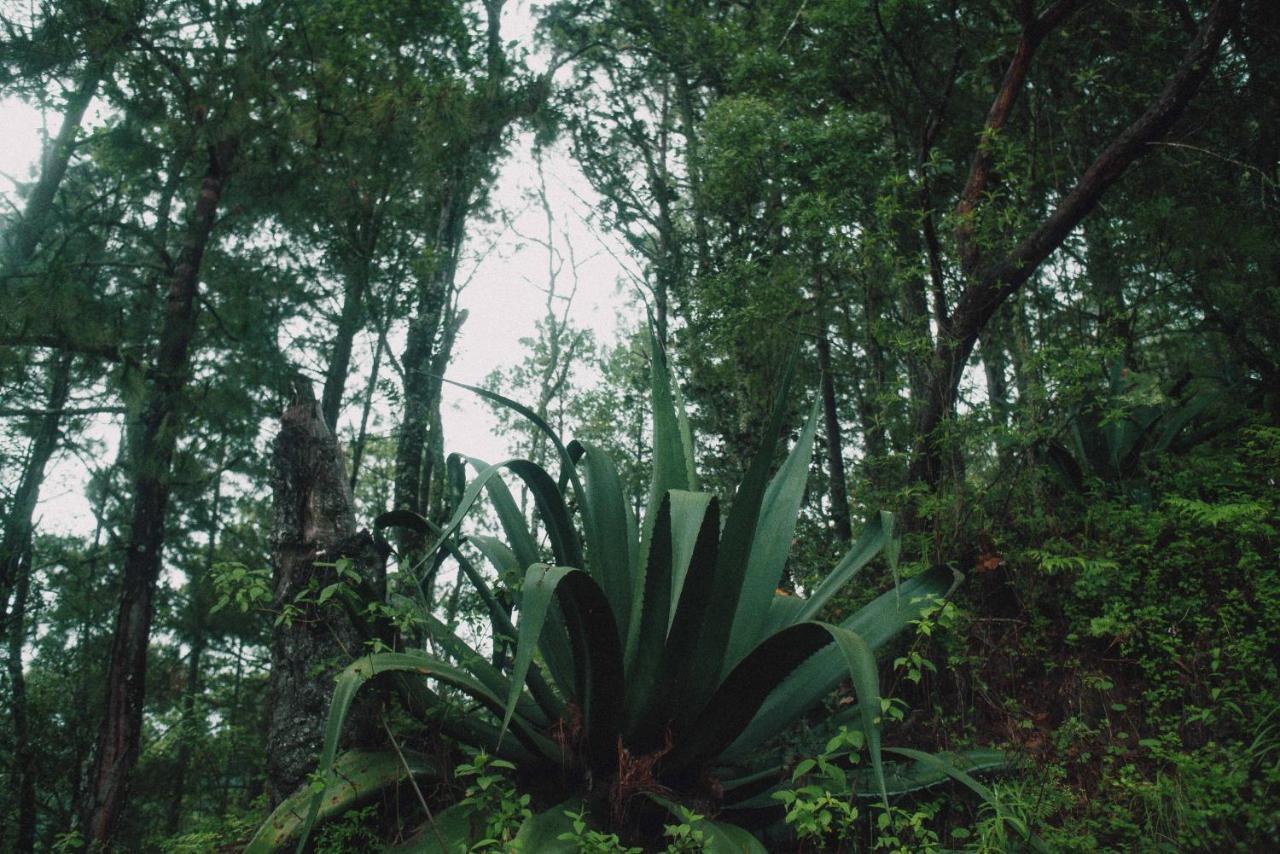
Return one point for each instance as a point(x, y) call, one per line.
point(665, 655)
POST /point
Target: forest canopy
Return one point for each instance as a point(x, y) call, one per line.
point(923, 496)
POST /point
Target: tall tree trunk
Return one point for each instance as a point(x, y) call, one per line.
point(198, 611)
point(314, 525)
point(439, 502)
point(28, 231)
point(335, 377)
point(154, 439)
point(838, 491)
point(24, 756)
point(419, 363)
point(835, 450)
point(357, 450)
point(15, 572)
point(16, 533)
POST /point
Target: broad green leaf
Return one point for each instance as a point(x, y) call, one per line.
point(449, 831)
point(721, 836)
point(359, 776)
point(597, 655)
point(519, 537)
point(903, 778)
point(566, 461)
point(771, 544)
point(695, 539)
point(672, 466)
point(738, 698)
point(866, 685)
point(607, 531)
point(876, 624)
point(705, 670)
point(642, 662)
point(684, 537)
point(540, 833)
point(940, 765)
point(598, 680)
point(875, 537)
point(365, 668)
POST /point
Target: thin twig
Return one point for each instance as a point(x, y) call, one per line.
point(412, 782)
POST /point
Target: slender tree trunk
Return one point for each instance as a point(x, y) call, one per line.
point(16, 533)
point(24, 766)
point(357, 451)
point(835, 449)
point(335, 378)
point(439, 501)
point(154, 440)
point(28, 231)
point(198, 608)
point(838, 491)
point(425, 332)
point(314, 525)
point(15, 571)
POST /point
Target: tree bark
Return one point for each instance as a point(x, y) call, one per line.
point(154, 439)
point(990, 283)
point(16, 534)
point(314, 525)
point(197, 610)
point(335, 378)
point(24, 756)
point(28, 231)
point(839, 492)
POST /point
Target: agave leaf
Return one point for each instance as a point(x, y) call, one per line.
point(817, 677)
point(866, 684)
point(1177, 420)
point(903, 778)
point(359, 776)
point(876, 535)
point(672, 458)
point(784, 610)
point(451, 827)
point(549, 501)
point(608, 529)
point(721, 836)
point(772, 543)
point(366, 667)
point(408, 519)
point(478, 666)
point(649, 633)
point(519, 537)
point(686, 438)
point(732, 559)
point(566, 461)
point(597, 652)
point(939, 765)
point(671, 470)
point(695, 536)
point(683, 548)
point(564, 539)
point(540, 832)
point(741, 694)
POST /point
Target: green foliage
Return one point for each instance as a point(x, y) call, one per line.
point(491, 794)
point(666, 652)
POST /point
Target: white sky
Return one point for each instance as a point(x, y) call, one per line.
point(504, 297)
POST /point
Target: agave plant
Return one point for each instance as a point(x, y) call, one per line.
point(1111, 447)
point(654, 660)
